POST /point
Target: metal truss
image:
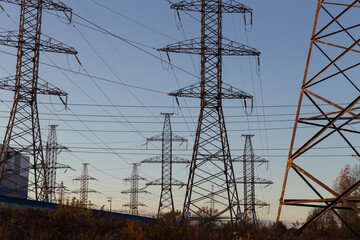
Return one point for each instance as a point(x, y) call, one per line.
point(249, 180)
point(228, 92)
point(331, 87)
point(197, 6)
point(166, 203)
point(62, 191)
point(84, 185)
point(134, 190)
point(51, 164)
point(229, 48)
point(211, 161)
point(23, 129)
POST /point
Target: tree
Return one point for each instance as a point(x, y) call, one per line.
point(348, 176)
point(326, 227)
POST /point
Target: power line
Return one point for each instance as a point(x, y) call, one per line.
point(132, 20)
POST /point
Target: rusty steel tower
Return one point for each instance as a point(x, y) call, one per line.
point(249, 180)
point(134, 190)
point(331, 88)
point(51, 164)
point(23, 129)
point(167, 137)
point(211, 161)
point(84, 185)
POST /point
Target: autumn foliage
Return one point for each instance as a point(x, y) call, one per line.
point(72, 221)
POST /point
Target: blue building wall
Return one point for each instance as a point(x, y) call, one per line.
point(10, 202)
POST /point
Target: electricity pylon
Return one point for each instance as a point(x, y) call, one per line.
point(62, 190)
point(134, 190)
point(23, 129)
point(51, 164)
point(249, 180)
point(84, 185)
point(211, 161)
point(167, 137)
point(330, 91)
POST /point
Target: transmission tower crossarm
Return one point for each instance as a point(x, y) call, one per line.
point(256, 180)
point(180, 160)
point(177, 183)
point(8, 83)
point(156, 159)
point(134, 191)
point(257, 159)
point(64, 166)
point(81, 178)
point(157, 137)
point(177, 138)
point(129, 179)
point(47, 4)
point(138, 204)
point(48, 45)
point(193, 46)
point(194, 91)
point(157, 182)
point(226, 7)
point(257, 203)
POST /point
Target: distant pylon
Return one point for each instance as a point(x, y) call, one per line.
point(211, 161)
point(62, 191)
point(134, 190)
point(84, 185)
point(167, 137)
point(330, 91)
point(23, 129)
point(212, 199)
point(51, 164)
point(249, 180)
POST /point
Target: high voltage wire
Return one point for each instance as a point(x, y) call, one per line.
point(152, 122)
point(189, 150)
point(165, 106)
point(132, 20)
point(95, 77)
point(148, 116)
point(189, 155)
point(154, 131)
point(133, 44)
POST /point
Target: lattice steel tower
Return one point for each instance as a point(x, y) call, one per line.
point(211, 161)
point(249, 180)
point(134, 190)
point(331, 87)
point(62, 190)
point(167, 137)
point(51, 164)
point(23, 129)
point(84, 185)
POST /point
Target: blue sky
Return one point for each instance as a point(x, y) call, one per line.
point(108, 120)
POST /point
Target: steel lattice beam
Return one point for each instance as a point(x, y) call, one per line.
point(332, 63)
point(231, 6)
point(229, 48)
